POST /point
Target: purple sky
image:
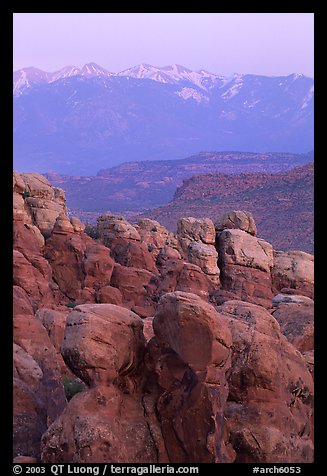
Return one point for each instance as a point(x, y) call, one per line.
point(223, 43)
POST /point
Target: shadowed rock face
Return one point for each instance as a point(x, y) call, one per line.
point(78, 263)
point(193, 387)
point(31, 270)
point(38, 391)
point(104, 346)
point(296, 322)
point(269, 406)
point(167, 376)
point(94, 429)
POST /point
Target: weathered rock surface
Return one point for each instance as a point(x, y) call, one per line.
point(18, 183)
point(167, 253)
point(104, 345)
point(102, 342)
point(38, 391)
point(63, 225)
point(219, 296)
point(112, 227)
point(204, 256)
point(31, 270)
point(155, 236)
point(245, 263)
point(45, 203)
point(269, 406)
point(309, 360)
point(124, 241)
point(97, 265)
point(21, 302)
point(295, 270)
point(32, 280)
point(95, 428)
point(193, 387)
point(197, 239)
point(236, 219)
point(290, 299)
point(296, 322)
point(65, 253)
point(109, 295)
point(195, 229)
point(137, 286)
point(54, 321)
point(148, 328)
point(240, 248)
point(133, 253)
point(77, 224)
point(178, 275)
point(78, 263)
point(194, 383)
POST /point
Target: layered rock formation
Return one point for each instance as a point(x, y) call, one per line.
point(43, 203)
point(197, 241)
point(189, 348)
point(245, 263)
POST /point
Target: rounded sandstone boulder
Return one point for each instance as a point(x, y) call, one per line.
point(195, 229)
point(102, 342)
point(236, 219)
point(194, 330)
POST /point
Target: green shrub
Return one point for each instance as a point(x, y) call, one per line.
point(71, 304)
point(26, 193)
point(72, 387)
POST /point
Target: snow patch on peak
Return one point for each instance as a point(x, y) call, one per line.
point(235, 88)
point(297, 75)
point(190, 93)
point(173, 74)
point(308, 97)
point(65, 72)
point(93, 69)
point(177, 69)
point(25, 77)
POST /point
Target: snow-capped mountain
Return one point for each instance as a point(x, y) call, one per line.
point(92, 69)
point(174, 74)
point(26, 77)
point(81, 120)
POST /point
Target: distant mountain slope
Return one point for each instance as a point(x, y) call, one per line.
point(282, 203)
point(137, 186)
point(76, 121)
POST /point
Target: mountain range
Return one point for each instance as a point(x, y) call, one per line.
point(78, 120)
